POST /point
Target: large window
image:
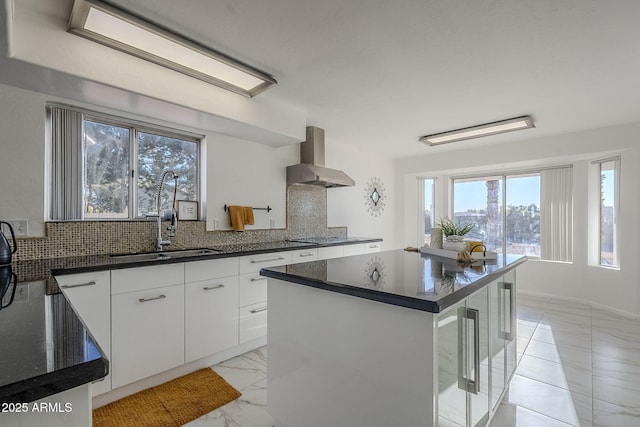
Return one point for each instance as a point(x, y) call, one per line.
point(609, 176)
point(505, 210)
point(118, 166)
point(427, 205)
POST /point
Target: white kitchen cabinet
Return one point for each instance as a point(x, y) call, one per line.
point(252, 305)
point(253, 321)
point(476, 354)
point(90, 296)
point(154, 276)
point(304, 255)
point(330, 252)
point(147, 325)
point(361, 248)
point(253, 263)
point(211, 307)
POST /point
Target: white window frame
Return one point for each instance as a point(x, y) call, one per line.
point(616, 209)
point(421, 201)
point(503, 198)
point(136, 126)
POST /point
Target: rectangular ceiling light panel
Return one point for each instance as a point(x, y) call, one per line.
point(117, 29)
point(486, 129)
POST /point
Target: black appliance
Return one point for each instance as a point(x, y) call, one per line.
point(5, 249)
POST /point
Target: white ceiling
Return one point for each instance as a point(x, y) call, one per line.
point(380, 73)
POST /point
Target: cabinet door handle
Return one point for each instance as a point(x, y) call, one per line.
point(373, 246)
point(209, 288)
point(91, 283)
point(504, 334)
point(305, 255)
point(258, 310)
point(257, 279)
point(152, 299)
point(465, 383)
point(257, 261)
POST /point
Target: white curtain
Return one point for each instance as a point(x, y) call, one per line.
point(556, 214)
point(66, 163)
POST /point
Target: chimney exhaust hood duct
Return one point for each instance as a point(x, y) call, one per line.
point(311, 170)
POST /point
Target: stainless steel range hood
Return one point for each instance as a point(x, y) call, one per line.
point(311, 170)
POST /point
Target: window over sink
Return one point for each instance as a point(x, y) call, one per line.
point(106, 167)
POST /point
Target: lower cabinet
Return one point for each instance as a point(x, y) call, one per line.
point(361, 248)
point(90, 296)
point(476, 348)
point(211, 317)
point(147, 330)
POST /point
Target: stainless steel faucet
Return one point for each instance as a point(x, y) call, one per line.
point(173, 227)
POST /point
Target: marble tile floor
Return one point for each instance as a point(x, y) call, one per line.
point(579, 366)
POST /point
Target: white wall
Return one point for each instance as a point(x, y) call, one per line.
point(238, 171)
point(22, 156)
point(247, 174)
point(346, 206)
point(615, 289)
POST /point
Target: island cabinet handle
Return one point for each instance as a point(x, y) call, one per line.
point(465, 383)
point(79, 285)
point(152, 299)
point(258, 310)
point(257, 261)
point(257, 279)
point(210, 288)
point(502, 320)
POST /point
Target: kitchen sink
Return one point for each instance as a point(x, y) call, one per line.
point(159, 256)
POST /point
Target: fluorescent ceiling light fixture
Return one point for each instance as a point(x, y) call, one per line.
point(479, 131)
point(117, 29)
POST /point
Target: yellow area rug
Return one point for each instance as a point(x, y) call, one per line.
point(170, 404)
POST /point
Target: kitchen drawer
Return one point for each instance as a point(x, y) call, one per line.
point(210, 269)
point(253, 289)
point(304, 255)
point(141, 278)
point(253, 263)
point(253, 322)
point(329, 252)
point(361, 248)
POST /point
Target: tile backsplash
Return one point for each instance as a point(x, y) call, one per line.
point(306, 217)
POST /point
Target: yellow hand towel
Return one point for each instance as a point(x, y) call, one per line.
point(248, 215)
point(237, 216)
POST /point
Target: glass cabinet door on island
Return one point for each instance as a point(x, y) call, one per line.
point(477, 355)
point(463, 371)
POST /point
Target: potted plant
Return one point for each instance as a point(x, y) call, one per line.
point(454, 234)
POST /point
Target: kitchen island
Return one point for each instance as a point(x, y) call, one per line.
point(393, 338)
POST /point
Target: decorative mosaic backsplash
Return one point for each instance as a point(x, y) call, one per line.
point(306, 211)
point(306, 217)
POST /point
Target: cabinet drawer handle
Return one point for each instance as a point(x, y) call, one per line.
point(257, 261)
point(258, 310)
point(257, 279)
point(209, 288)
point(91, 283)
point(152, 299)
point(373, 246)
point(305, 255)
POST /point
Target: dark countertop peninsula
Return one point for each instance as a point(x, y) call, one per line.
point(407, 279)
point(45, 347)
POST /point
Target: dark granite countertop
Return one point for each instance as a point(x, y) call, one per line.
point(407, 279)
point(45, 347)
